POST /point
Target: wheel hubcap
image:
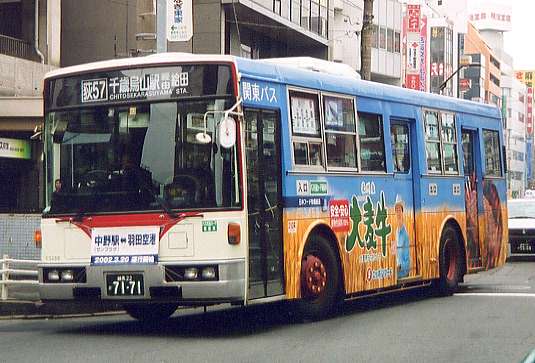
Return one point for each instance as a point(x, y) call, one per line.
point(313, 276)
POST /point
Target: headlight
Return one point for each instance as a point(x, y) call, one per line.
point(191, 273)
point(67, 275)
point(53, 275)
point(208, 273)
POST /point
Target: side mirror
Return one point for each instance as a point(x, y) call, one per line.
point(227, 132)
point(203, 138)
point(59, 131)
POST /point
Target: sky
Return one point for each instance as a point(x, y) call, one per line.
point(519, 42)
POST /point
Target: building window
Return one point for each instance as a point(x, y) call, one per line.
point(277, 7)
point(371, 142)
point(340, 131)
point(245, 51)
point(314, 16)
point(295, 11)
point(390, 40)
point(375, 35)
point(324, 16)
point(305, 14)
point(397, 44)
point(382, 38)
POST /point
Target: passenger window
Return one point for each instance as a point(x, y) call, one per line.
point(432, 142)
point(399, 135)
point(492, 153)
point(340, 131)
point(306, 130)
point(449, 143)
point(371, 142)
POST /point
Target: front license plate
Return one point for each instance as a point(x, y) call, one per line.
point(124, 284)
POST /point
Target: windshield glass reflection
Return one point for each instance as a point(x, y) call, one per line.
point(137, 157)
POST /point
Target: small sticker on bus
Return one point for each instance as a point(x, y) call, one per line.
point(209, 226)
point(292, 227)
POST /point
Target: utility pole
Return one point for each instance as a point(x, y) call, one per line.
point(366, 41)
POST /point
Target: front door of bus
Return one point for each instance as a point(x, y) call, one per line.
point(471, 189)
point(262, 150)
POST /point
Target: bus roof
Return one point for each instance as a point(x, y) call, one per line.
point(293, 73)
point(153, 59)
point(296, 76)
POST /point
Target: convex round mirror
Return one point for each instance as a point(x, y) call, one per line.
point(227, 132)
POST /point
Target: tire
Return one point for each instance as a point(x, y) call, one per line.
point(150, 313)
point(320, 296)
point(450, 262)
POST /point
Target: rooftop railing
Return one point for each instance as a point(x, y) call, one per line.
point(17, 48)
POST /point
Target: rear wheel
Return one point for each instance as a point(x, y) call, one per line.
point(450, 262)
point(150, 313)
point(320, 279)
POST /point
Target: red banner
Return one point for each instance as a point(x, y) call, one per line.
point(413, 17)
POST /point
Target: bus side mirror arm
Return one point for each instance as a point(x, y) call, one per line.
point(203, 137)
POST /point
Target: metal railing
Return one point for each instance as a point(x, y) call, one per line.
point(12, 268)
point(17, 48)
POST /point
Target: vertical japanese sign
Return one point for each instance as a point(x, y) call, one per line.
point(423, 53)
point(413, 60)
point(179, 20)
point(529, 114)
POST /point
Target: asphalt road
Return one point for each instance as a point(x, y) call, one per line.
point(491, 319)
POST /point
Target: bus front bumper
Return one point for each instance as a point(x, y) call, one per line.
point(159, 283)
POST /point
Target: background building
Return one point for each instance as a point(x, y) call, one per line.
point(386, 42)
point(515, 105)
point(29, 47)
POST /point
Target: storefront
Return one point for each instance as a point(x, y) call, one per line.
point(20, 155)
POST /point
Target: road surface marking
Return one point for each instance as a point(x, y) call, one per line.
point(497, 294)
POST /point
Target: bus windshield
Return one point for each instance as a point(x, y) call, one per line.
point(139, 156)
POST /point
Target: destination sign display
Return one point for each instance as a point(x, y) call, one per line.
point(140, 84)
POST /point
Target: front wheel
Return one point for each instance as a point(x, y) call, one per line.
point(450, 262)
point(320, 279)
point(150, 313)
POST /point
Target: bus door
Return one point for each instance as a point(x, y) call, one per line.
point(405, 160)
point(472, 189)
point(264, 196)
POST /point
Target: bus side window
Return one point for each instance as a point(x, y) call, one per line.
point(306, 129)
point(491, 140)
point(400, 148)
point(372, 144)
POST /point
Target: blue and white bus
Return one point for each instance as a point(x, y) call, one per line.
point(179, 179)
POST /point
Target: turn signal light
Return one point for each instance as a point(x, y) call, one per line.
point(234, 234)
point(37, 238)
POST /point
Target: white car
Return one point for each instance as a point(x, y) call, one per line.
point(521, 227)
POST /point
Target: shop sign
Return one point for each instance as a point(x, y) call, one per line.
point(15, 149)
point(179, 20)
